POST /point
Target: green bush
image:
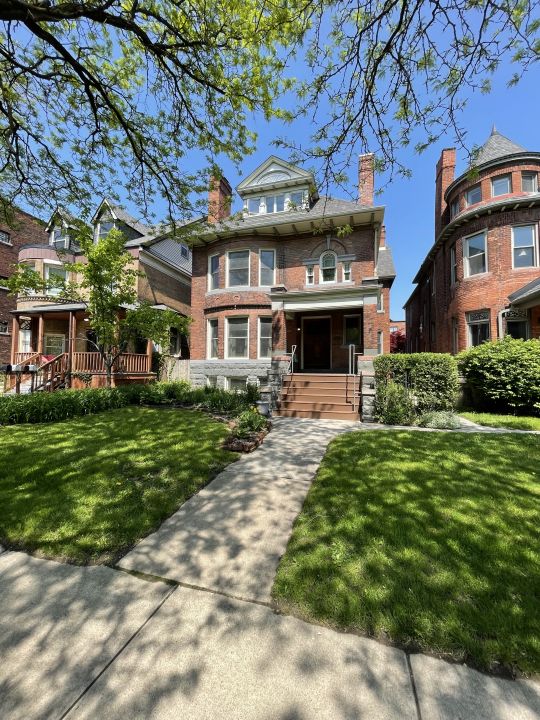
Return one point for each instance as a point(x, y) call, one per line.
point(439, 420)
point(63, 404)
point(248, 422)
point(504, 376)
point(394, 404)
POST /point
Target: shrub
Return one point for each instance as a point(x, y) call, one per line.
point(431, 378)
point(248, 422)
point(439, 420)
point(394, 404)
point(504, 375)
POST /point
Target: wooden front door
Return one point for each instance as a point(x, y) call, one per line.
point(316, 343)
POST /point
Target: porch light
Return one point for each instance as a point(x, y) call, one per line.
point(86, 320)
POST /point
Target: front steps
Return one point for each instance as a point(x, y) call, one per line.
point(320, 396)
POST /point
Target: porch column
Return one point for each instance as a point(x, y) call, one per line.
point(15, 338)
point(71, 341)
point(149, 350)
point(41, 326)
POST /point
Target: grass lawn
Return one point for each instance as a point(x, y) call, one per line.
point(515, 422)
point(87, 489)
point(429, 540)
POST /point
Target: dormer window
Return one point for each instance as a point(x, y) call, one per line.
point(296, 200)
point(275, 203)
point(103, 228)
point(293, 200)
point(59, 237)
point(328, 267)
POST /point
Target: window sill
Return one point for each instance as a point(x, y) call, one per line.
point(477, 275)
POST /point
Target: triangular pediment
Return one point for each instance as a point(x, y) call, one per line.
point(274, 172)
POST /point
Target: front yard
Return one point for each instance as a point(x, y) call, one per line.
point(87, 489)
point(515, 422)
point(429, 540)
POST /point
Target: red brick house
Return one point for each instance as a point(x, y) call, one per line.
point(54, 335)
point(24, 229)
point(293, 282)
point(481, 278)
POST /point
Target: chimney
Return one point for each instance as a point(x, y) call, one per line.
point(219, 199)
point(446, 168)
point(366, 179)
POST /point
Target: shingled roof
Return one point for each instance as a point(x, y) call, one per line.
point(497, 146)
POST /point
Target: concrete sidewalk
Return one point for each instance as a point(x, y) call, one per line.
point(231, 535)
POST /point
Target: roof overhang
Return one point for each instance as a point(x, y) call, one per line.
point(276, 225)
point(325, 299)
point(54, 308)
point(512, 158)
point(527, 296)
point(490, 208)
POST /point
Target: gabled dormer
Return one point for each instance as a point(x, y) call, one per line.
point(109, 216)
point(277, 186)
point(62, 229)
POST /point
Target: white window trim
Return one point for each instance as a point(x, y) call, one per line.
point(209, 273)
point(535, 245)
point(533, 174)
point(226, 349)
point(259, 356)
point(9, 241)
point(272, 250)
point(500, 177)
point(453, 265)
point(312, 272)
point(209, 355)
point(53, 292)
point(464, 240)
point(322, 281)
point(349, 263)
point(245, 249)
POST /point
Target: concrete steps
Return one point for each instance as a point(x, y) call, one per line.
point(318, 396)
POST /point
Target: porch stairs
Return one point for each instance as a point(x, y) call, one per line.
point(320, 396)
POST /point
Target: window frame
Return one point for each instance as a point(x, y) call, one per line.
point(453, 265)
point(236, 377)
point(226, 354)
point(273, 251)
point(454, 208)
point(6, 331)
point(496, 178)
point(358, 316)
point(471, 323)
point(478, 186)
point(534, 176)
point(8, 241)
point(209, 324)
point(466, 267)
point(54, 335)
point(210, 274)
point(322, 281)
point(346, 267)
point(47, 265)
point(275, 196)
point(259, 337)
point(310, 275)
point(228, 268)
point(534, 226)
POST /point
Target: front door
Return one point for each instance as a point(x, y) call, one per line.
point(316, 343)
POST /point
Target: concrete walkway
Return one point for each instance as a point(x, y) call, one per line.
point(231, 535)
point(90, 643)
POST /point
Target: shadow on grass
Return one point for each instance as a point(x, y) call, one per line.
point(430, 540)
point(87, 489)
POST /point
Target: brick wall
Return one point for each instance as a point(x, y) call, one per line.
point(26, 229)
point(158, 287)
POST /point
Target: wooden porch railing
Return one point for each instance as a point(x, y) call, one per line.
point(51, 374)
point(89, 362)
point(92, 362)
point(132, 363)
point(27, 358)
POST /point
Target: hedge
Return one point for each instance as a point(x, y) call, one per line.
point(504, 375)
point(431, 381)
point(63, 404)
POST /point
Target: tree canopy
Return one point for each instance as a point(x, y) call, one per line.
point(116, 94)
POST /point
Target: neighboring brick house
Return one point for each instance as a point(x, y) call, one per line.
point(477, 281)
point(292, 271)
point(46, 326)
point(23, 229)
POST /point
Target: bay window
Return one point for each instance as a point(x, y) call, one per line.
point(212, 338)
point(267, 267)
point(213, 272)
point(529, 182)
point(265, 337)
point(238, 268)
point(237, 337)
point(524, 246)
point(501, 185)
point(474, 254)
point(474, 195)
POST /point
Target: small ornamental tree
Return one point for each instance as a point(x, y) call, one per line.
point(398, 341)
point(107, 285)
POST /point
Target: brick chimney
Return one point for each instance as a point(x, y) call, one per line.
point(219, 199)
point(366, 179)
point(446, 169)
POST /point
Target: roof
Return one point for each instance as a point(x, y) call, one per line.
point(526, 293)
point(56, 307)
point(325, 208)
point(497, 146)
point(274, 173)
point(124, 216)
point(385, 263)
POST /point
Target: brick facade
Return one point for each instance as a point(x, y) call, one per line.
point(437, 312)
point(25, 229)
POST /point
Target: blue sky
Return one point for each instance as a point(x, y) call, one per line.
point(410, 202)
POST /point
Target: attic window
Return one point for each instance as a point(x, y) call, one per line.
point(104, 228)
point(184, 251)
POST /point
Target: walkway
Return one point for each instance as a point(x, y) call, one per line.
point(205, 643)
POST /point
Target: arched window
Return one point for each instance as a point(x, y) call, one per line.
point(328, 267)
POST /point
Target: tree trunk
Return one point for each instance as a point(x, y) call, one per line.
point(108, 371)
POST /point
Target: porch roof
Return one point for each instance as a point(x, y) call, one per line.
point(325, 298)
point(528, 295)
point(60, 307)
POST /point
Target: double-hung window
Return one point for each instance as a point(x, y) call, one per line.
point(267, 267)
point(238, 268)
point(346, 272)
point(478, 327)
point(213, 272)
point(212, 338)
point(501, 185)
point(237, 337)
point(453, 265)
point(474, 195)
point(55, 275)
point(529, 182)
point(104, 228)
point(474, 254)
point(5, 238)
point(310, 275)
point(265, 337)
point(524, 249)
point(454, 209)
point(328, 267)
